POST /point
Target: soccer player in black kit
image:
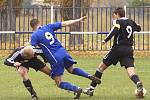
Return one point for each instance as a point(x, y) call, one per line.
point(24, 58)
point(121, 50)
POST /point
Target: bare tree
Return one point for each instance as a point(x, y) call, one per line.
point(72, 9)
point(8, 17)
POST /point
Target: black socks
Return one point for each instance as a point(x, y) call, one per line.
point(29, 87)
point(98, 74)
point(135, 79)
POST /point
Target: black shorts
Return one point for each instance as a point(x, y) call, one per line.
point(122, 54)
point(34, 63)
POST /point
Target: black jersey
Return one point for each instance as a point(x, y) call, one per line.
point(16, 56)
point(123, 32)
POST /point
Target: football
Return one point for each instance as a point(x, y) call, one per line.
point(144, 92)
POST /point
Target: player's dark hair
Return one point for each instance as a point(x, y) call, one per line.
point(120, 11)
point(34, 22)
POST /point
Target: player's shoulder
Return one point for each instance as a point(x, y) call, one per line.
point(54, 24)
point(124, 20)
point(33, 34)
point(17, 49)
point(36, 33)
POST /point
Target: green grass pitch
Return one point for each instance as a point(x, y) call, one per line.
point(115, 83)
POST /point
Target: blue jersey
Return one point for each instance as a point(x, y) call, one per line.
point(45, 38)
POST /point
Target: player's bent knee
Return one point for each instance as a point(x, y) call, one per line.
point(58, 80)
point(45, 70)
point(102, 66)
point(58, 83)
point(23, 72)
point(130, 71)
point(70, 69)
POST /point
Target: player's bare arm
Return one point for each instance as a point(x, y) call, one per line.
point(70, 22)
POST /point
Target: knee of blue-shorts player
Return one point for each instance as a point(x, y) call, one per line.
point(58, 80)
point(70, 69)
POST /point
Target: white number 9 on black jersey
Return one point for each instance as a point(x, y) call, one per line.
point(129, 30)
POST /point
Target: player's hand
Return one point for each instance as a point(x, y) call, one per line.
point(17, 64)
point(83, 18)
point(103, 42)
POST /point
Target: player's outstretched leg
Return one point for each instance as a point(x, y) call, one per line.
point(71, 87)
point(80, 72)
point(27, 83)
point(68, 86)
point(99, 72)
point(136, 80)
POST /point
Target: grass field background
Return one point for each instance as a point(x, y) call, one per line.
point(115, 83)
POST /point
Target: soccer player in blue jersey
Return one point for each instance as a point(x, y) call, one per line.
point(57, 56)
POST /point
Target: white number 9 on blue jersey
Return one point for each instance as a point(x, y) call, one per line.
point(50, 37)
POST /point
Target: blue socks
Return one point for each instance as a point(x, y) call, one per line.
point(80, 72)
point(71, 87)
point(68, 86)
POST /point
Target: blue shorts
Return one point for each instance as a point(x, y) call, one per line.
point(64, 63)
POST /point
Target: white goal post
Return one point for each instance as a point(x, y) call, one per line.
point(125, 9)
